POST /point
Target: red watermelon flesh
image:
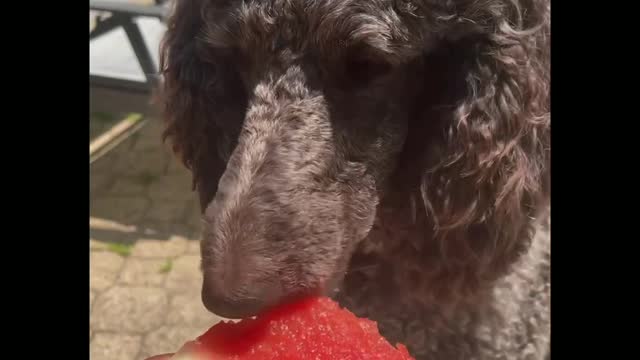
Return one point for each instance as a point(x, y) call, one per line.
point(312, 328)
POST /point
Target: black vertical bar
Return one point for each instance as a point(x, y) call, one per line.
point(141, 50)
point(104, 26)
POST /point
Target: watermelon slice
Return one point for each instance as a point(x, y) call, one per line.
point(312, 328)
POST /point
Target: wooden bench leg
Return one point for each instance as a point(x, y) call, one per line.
point(114, 136)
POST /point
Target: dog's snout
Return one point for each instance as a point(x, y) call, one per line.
point(230, 307)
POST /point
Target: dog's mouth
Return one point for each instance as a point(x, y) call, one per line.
point(332, 287)
point(275, 295)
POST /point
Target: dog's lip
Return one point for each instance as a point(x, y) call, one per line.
point(332, 286)
point(332, 292)
point(328, 288)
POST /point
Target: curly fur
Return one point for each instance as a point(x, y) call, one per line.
point(392, 153)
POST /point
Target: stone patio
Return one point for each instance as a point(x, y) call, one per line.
point(144, 252)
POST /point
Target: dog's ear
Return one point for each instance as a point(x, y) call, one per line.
point(184, 81)
point(198, 93)
point(488, 173)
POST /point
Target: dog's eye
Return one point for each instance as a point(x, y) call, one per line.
point(361, 71)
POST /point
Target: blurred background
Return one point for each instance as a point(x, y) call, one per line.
point(144, 219)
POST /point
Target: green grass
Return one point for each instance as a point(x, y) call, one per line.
point(134, 117)
point(166, 267)
point(120, 249)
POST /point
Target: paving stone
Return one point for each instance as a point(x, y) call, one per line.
point(105, 346)
point(153, 161)
point(193, 216)
point(171, 188)
point(143, 272)
point(193, 247)
point(129, 309)
point(169, 339)
point(128, 187)
point(146, 143)
point(104, 269)
point(174, 246)
point(104, 167)
point(145, 161)
point(177, 168)
point(97, 245)
point(103, 232)
point(166, 211)
point(193, 221)
point(110, 225)
point(141, 194)
point(161, 230)
point(100, 183)
point(185, 275)
point(150, 137)
point(192, 233)
point(187, 309)
point(126, 210)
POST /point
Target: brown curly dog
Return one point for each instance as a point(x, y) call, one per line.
point(393, 154)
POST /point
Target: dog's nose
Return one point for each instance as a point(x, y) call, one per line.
point(230, 308)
